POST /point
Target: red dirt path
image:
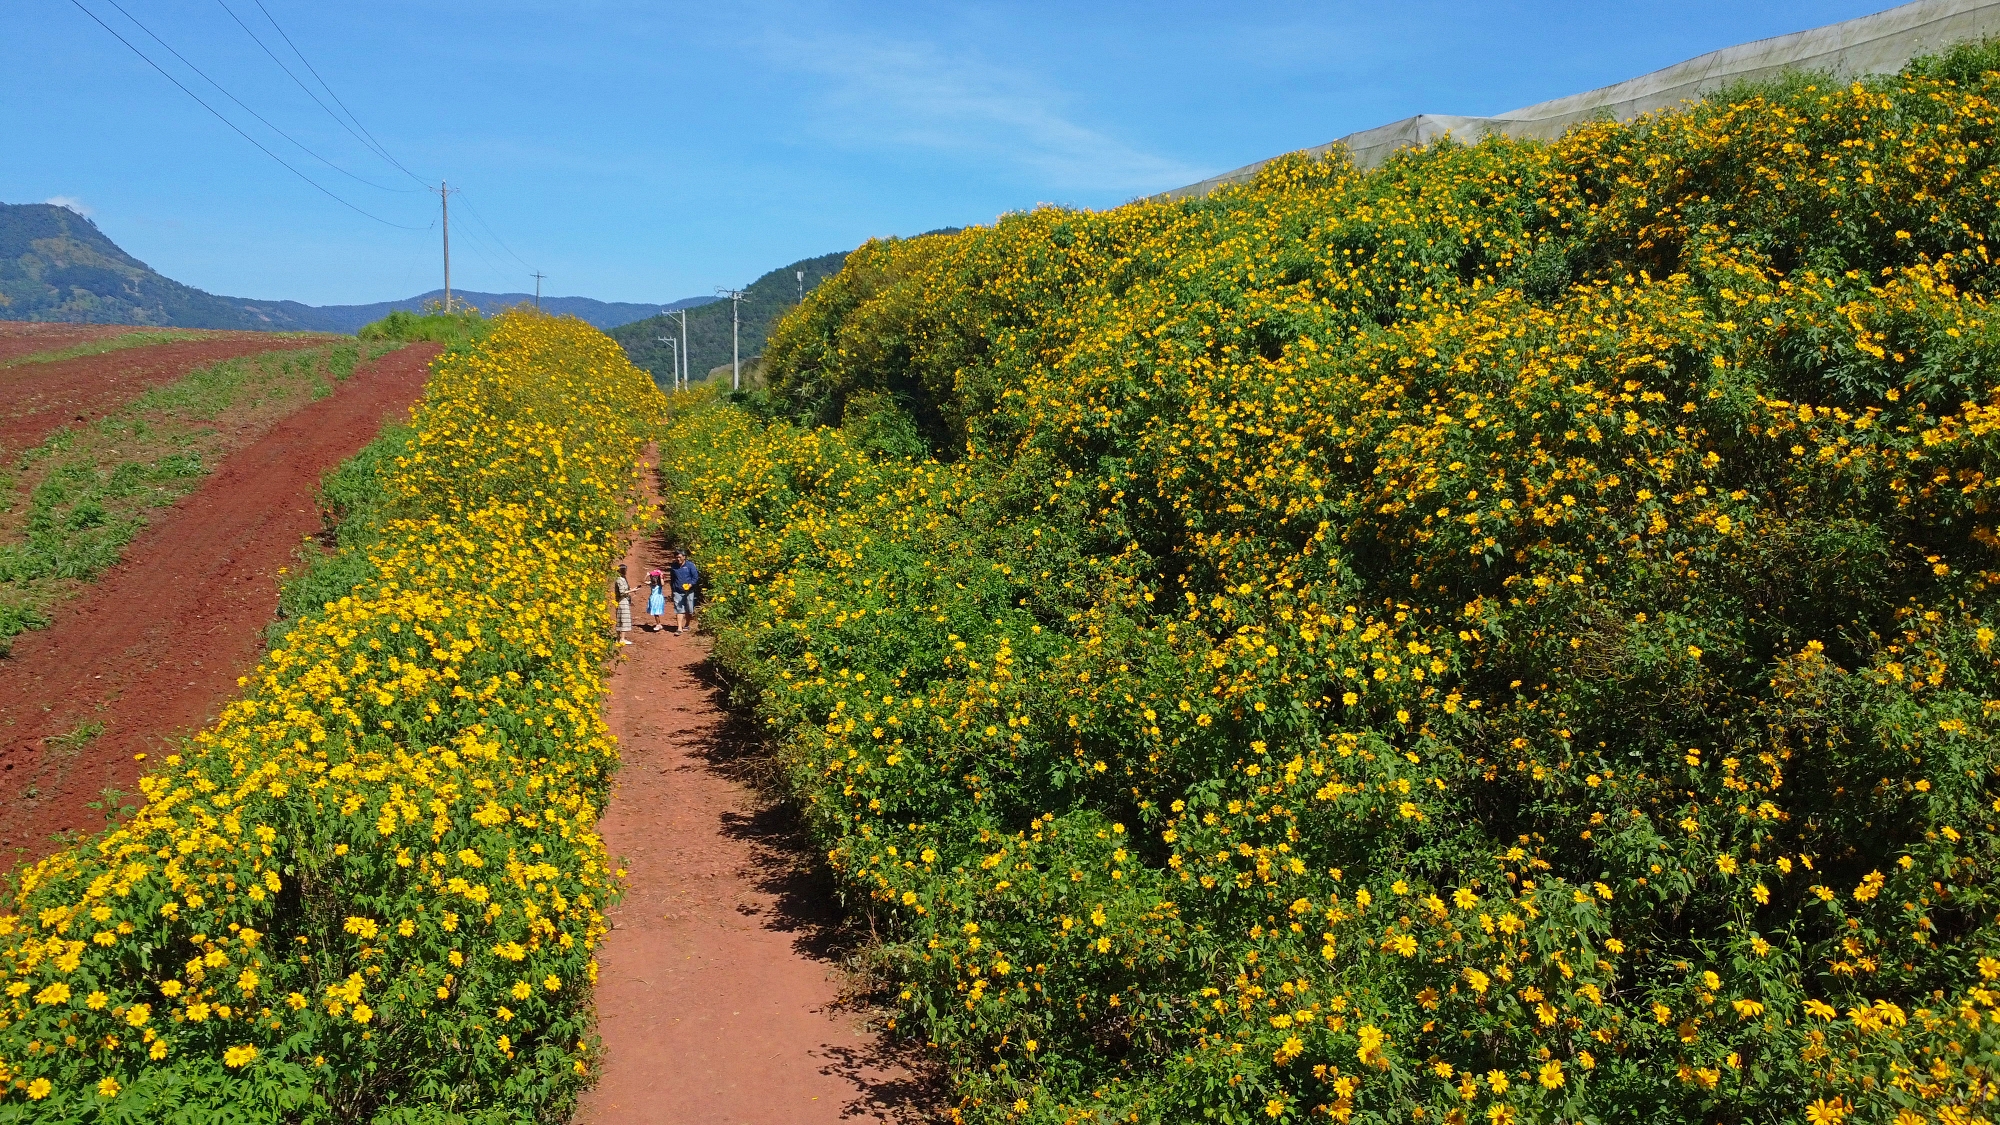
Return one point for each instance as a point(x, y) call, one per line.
point(22, 337)
point(717, 1001)
point(38, 398)
point(154, 648)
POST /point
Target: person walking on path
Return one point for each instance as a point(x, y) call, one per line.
point(623, 590)
point(686, 577)
point(656, 600)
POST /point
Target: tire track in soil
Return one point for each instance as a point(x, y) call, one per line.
point(154, 647)
point(36, 399)
point(719, 998)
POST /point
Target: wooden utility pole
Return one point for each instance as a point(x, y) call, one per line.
point(444, 206)
point(538, 290)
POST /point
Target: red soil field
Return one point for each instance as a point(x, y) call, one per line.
point(155, 647)
point(38, 398)
point(22, 337)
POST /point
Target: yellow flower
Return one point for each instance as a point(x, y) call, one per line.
point(107, 1087)
point(38, 1089)
point(240, 1056)
point(1551, 1075)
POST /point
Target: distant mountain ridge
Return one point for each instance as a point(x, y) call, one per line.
point(55, 265)
point(764, 301)
point(599, 314)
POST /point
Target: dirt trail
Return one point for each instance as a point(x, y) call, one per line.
point(155, 646)
point(718, 999)
point(37, 398)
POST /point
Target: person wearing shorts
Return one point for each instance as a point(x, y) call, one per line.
point(623, 590)
point(686, 578)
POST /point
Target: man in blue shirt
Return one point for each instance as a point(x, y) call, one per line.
point(685, 577)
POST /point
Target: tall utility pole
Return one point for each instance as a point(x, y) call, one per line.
point(735, 336)
point(802, 286)
point(538, 289)
point(674, 344)
point(444, 208)
point(686, 356)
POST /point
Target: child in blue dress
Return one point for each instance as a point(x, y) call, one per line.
point(656, 600)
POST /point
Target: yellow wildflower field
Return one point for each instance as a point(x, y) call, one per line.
point(1505, 636)
point(371, 890)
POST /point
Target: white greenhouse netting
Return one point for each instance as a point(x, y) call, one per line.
point(1875, 44)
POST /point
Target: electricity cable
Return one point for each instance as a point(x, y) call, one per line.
point(366, 143)
point(321, 188)
point(380, 149)
point(240, 103)
point(489, 230)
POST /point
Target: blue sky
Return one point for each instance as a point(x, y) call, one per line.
point(649, 151)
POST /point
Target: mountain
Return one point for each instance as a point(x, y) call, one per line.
point(56, 265)
point(599, 314)
point(764, 301)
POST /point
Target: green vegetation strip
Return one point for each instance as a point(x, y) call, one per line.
point(70, 505)
point(371, 890)
point(1505, 637)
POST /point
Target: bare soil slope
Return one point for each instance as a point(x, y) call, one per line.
point(156, 646)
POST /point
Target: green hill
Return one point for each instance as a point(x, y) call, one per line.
point(765, 300)
point(56, 265)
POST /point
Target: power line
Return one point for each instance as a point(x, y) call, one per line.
point(489, 230)
point(365, 143)
point(380, 149)
point(240, 103)
point(375, 145)
point(322, 189)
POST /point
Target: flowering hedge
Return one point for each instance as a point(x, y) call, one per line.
point(371, 890)
point(1504, 636)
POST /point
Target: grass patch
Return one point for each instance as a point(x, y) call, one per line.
point(437, 327)
point(73, 502)
point(108, 344)
point(76, 737)
point(354, 507)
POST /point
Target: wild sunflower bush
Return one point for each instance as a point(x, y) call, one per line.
point(371, 890)
point(1506, 636)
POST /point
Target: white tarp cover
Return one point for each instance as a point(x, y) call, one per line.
point(1877, 44)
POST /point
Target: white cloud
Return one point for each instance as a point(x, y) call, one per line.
point(911, 95)
point(71, 202)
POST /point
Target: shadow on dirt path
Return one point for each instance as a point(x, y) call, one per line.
point(720, 995)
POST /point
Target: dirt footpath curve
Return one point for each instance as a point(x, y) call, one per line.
point(38, 398)
point(154, 648)
point(717, 999)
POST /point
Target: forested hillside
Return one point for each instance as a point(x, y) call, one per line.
point(708, 326)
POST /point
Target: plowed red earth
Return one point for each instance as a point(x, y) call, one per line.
point(38, 398)
point(155, 647)
point(20, 337)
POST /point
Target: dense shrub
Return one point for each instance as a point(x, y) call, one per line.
point(435, 325)
point(371, 890)
point(1504, 636)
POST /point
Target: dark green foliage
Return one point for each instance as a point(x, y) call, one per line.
point(354, 506)
point(768, 298)
point(434, 325)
